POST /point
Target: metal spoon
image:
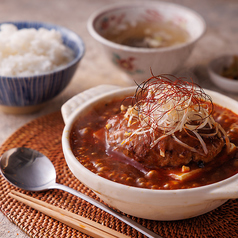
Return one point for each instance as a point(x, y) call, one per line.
point(30, 170)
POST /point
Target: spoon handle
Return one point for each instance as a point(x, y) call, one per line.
point(107, 209)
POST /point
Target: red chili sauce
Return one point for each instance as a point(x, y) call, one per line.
point(91, 152)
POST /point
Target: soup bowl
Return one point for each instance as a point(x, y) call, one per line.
point(140, 202)
point(135, 62)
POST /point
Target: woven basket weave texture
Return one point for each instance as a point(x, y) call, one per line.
point(44, 134)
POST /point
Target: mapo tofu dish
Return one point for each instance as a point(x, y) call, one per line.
point(168, 135)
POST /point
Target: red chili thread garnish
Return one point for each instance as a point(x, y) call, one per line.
point(171, 104)
point(167, 88)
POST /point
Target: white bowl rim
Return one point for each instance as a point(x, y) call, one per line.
point(112, 7)
point(58, 69)
point(153, 192)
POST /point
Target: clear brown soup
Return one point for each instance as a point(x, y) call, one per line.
point(148, 35)
point(91, 152)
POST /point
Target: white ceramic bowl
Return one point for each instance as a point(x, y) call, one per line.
point(137, 63)
point(215, 67)
point(139, 202)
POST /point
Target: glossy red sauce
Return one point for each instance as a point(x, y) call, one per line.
point(91, 152)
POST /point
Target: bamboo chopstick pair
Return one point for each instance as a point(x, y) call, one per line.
point(75, 221)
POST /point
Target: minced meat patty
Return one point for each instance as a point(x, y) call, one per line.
point(165, 153)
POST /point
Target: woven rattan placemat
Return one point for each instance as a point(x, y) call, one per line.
point(44, 134)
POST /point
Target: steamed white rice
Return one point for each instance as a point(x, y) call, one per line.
point(29, 51)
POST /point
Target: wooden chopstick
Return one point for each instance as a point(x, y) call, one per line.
point(75, 221)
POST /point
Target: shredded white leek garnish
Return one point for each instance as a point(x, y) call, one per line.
point(173, 106)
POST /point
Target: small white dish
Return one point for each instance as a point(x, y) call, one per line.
point(215, 68)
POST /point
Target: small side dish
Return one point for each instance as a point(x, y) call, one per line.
point(231, 71)
point(223, 72)
point(169, 135)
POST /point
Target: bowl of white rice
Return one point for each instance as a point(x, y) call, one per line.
point(37, 62)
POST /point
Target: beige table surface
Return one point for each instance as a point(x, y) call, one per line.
point(221, 37)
